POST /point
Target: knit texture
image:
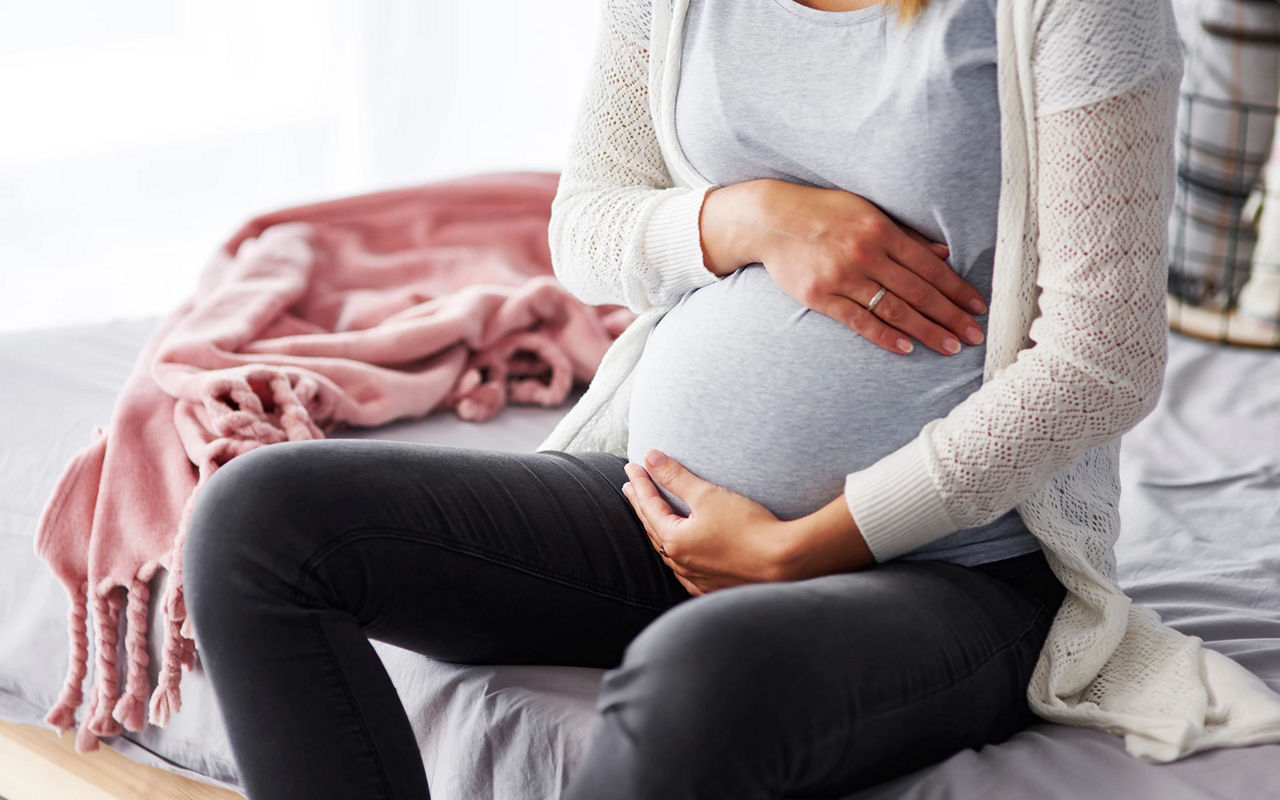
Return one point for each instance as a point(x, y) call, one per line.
point(1076, 340)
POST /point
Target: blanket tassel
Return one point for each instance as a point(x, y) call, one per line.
point(85, 739)
point(179, 650)
point(131, 709)
point(107, 611)
point(63, 714)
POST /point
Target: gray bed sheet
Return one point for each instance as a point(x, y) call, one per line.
point(1201, 545)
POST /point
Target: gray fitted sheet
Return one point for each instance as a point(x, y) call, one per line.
point(1201, 545)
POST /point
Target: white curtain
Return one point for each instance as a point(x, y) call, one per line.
point(136, 135)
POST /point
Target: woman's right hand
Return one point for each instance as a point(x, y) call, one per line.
point(832, 251)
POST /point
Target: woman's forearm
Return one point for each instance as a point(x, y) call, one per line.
point(824, 542)
point(732, 225)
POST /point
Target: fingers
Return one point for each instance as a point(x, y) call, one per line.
point(901, 316)
point(911, 250)
point(628, 489)
point(891, 321)
point(686, 579)
point(651, 507)
point(674, 477)
point(865, 323)
point(920, 310)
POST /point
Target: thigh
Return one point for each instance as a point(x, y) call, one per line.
point(470, 555)
point(823, 686)
point(928, 660)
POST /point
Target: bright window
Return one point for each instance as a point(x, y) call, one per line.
point(137, 135)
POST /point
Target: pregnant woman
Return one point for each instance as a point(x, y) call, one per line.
point(870, 512)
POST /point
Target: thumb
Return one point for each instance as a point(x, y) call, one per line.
point(673, 475)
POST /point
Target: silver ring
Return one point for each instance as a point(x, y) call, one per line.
point(662, 550)
point(875, 300)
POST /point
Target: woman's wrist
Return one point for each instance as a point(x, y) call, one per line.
point(822, 543)
point(731, 224)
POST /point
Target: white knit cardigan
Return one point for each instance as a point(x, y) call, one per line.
point(1076, 338)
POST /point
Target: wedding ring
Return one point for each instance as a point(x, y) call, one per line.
point(876, 300)
point(662, 551)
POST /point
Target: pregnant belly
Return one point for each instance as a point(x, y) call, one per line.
point(751, 390)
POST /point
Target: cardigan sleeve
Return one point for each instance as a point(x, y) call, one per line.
point(1096, 365)
point(620, 232)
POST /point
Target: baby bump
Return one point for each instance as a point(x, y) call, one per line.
point(751, 390)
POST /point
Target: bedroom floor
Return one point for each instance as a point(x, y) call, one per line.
point(37, 764)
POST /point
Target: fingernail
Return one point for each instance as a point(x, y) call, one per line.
point(655, 457)
point(905, 346)
point(951, 345)
point(973, 335)
point(626, 488)
point(977, 306)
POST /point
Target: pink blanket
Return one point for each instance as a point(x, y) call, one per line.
point(354, 312)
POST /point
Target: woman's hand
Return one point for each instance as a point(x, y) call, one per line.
point(833, 250)
point(727, 539)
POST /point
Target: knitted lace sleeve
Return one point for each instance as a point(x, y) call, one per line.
point(1095, 368)
point(620, 231)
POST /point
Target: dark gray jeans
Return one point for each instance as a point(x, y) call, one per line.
point(298, 553)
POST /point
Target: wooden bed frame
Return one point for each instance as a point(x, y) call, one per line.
point(37, 764)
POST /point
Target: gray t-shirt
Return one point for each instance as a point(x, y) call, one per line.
point(745, 385)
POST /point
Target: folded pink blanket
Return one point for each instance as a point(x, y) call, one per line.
point(354, 312)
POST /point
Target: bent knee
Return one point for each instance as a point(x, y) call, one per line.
point(697, 694)
point(240, 524)
point(700, 667)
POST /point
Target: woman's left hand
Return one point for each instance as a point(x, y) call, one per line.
point(727, 539)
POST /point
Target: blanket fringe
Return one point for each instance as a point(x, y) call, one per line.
point(110, 710)
point(130, 710)
point(107, 684)
point(179, 634)
point(166, 699)
point(63, 714)
point(85, 739)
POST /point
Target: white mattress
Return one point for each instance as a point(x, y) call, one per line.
point(1201, 545)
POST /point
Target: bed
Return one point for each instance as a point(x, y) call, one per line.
point(1201, 545)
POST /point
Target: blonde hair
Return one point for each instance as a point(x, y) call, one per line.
point(908, 9)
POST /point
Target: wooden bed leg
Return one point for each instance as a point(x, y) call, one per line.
point(35, 764)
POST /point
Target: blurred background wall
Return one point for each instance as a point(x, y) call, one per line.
point(136, 135)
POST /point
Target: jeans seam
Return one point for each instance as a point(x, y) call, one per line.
point(994, 653)
point(336, 670)
point(373, 532)
point(592, 467)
